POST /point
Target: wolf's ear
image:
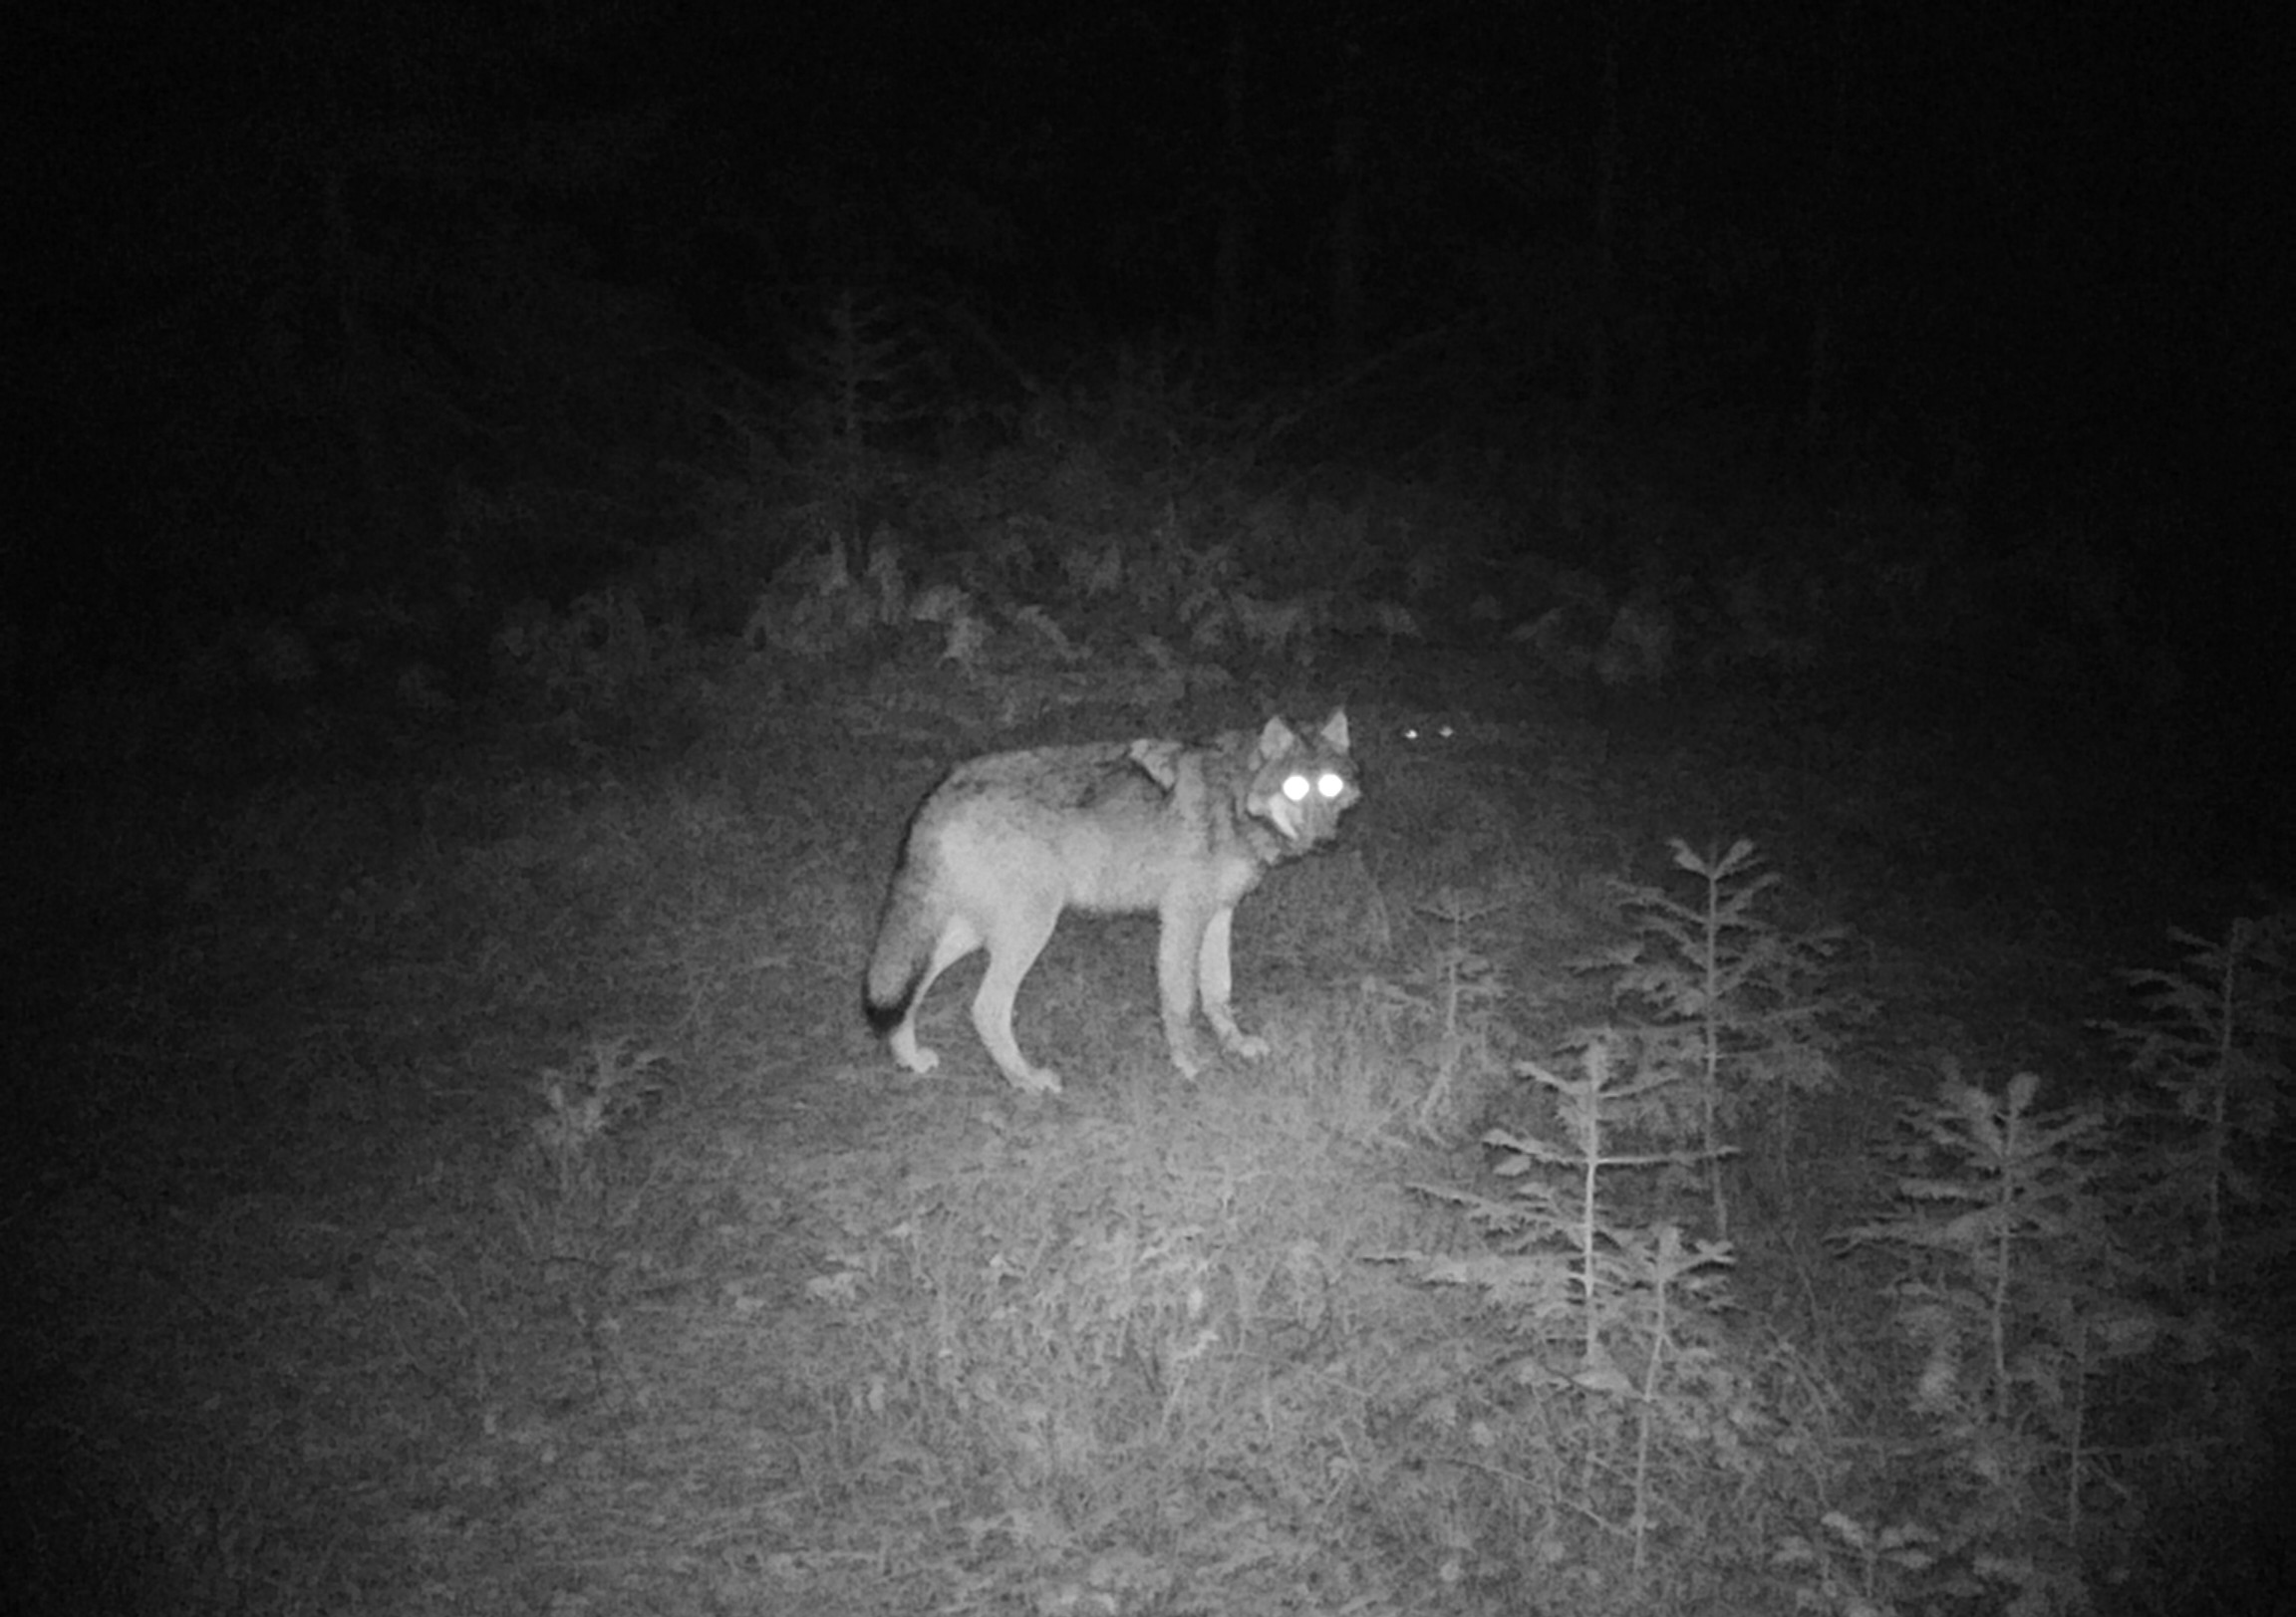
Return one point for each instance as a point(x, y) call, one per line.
point(1335, 732)
point(1276, 739)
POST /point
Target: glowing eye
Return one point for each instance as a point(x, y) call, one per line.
point(1329, 785)
point(1296, 788)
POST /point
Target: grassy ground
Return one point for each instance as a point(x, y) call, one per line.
point(460, 1181)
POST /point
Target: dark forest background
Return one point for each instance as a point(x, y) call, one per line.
point(294, 289)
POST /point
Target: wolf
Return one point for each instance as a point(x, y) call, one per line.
point(1006, 842)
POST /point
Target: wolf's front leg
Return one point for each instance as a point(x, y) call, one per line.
point(1213, 971)
point(1176, 950)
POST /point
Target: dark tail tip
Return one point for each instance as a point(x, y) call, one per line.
point(883, 1018)
point(884, 1010)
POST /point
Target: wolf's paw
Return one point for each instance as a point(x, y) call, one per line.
point(1186, 1058)
point(918, 1058)
point(1035, 1081)
point(1250, 1046)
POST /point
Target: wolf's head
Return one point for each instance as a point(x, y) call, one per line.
point(1302, 787)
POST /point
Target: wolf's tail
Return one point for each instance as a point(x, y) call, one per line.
point(904, 949)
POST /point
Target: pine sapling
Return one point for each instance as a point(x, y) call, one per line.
point(1620, 1293)
point(2215, 1047)
point(2016, 1298)
point(1742, 1008)
point(1455, 997)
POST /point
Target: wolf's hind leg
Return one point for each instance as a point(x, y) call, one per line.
point(958, 939)
point(1021, 936)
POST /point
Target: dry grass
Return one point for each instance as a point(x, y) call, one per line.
point(482, 1195)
